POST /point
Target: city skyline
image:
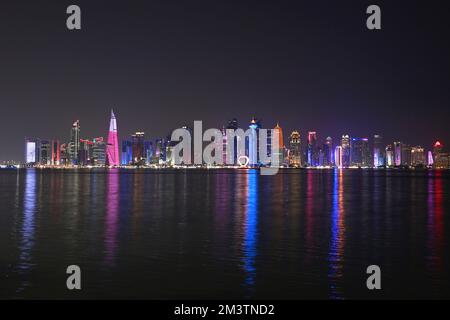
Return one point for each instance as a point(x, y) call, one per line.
point(224, 157)
point(281, 63)
point(311, 151)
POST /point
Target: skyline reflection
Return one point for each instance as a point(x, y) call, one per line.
point(337, 241)
point(112, 215)
point(435, 226)
point(27, 231)
point(308, 234)
point(250, 228)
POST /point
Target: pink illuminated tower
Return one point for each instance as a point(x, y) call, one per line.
point(112, 149)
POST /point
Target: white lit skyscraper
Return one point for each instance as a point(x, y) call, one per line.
point(397, 154)
point(74, 144)
point(378, 151)
point(345, 144)
point(338, 156)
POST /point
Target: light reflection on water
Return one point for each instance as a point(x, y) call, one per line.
point(196, 234)
point(435, 226)
point(250, 228)
point(337, 243)
point(27, 232)
point(112, 215)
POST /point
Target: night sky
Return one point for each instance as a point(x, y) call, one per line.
point(311, 65)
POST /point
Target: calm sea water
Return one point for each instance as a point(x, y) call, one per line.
point(224, 234)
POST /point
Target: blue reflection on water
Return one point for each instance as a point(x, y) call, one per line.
point(251, 221)
point(28, 226)
point(27, 231)
point(335, 253)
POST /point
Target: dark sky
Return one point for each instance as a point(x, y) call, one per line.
point(311, 65)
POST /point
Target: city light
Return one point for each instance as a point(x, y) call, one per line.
point(140, 152)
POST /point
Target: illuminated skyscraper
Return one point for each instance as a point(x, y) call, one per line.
point(338, 157)
point(390, 161)
point(127, 152)
point(45, 153)
point(56, 153)
point(279, 153)
point(430, 159)
point(313, 152)
point(398, 154)
point(148, 152)
point(65, 158)
point(360, 152)
point(417, 156)
point(98, 157)
point(32, 151)
point(295, 150)
point(160, 151)
point(378, 151)
point(437, 149)
point(406, 155)
point(224, 146)
point(253, 142)
point(328, 152)
point(112, 149)
point(85, 152)
point(441, 159)
point(74, 144)
point(345, 144)
point(137, 141)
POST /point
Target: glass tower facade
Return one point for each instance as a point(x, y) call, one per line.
point(74, 144)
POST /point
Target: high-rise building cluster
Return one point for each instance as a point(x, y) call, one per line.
point(308, 152)
point(355, 152)
point(76, 152)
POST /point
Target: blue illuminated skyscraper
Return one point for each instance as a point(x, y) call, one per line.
point(252, 144)
point(328, 152)
point(148, 152)
point(160, 152)
point(127, 152)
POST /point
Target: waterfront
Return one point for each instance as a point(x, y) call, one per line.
point(166, 234)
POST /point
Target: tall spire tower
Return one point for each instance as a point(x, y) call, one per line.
point(112, 149)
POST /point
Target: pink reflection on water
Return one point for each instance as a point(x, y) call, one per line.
point(435, 227)
point(112, 212)
point(309, 214)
